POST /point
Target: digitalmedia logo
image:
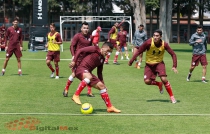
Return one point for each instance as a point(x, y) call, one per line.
point(32, 123)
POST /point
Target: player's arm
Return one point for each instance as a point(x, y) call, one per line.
point(145, 46)
point(58, 39)
point(120, 23)
point(21, 38)
point(171, 52)
point(94, 33)
point(6, 39)
point(99, 73)
point(192, 40)
point(74, 44)
point(111, 32)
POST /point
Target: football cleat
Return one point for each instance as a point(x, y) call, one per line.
point(56, 77)
point(2, 73)
point(20, 73)
point(138, 67)
point(90, 95)
point(188, 77)
point(52, 74)
point(113, 109)
point(106, 62)
point(173, 100)
point(65, 93)
point(122, 58)
point(116, 63)
point(76, 99)
point(204, 81)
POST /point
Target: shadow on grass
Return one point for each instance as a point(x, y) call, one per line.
point(99, 110)
point(197, 81)
point(162, 101)
point(18, 74)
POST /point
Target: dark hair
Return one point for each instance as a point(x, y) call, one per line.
point(84, 23)
point(52, 24)
point(158, 31)
point(16, 19)
point(123, 27)
point(108, 44)
point(141, 25)
point(199, 26)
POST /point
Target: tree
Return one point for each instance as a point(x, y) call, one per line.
point(165, 18)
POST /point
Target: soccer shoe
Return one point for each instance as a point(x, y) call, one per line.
point(204, 81)
point(138, 67)
point(160, 86)
point(52, 74)
point(116, 63)
point(56, 77)
point(20, 73)
point(2, 73)
point(173, 100)
point(188, 77)
point(113, 109)
point(106, 62)
point(122, 58)
point(127, 58)
point(76, 99)
point(65, 93)
point(90, 95)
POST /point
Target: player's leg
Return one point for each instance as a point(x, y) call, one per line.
point(19, 67)
point(5, 65)
point(49, 58)
point(194, 63)
point(134, 51)
point(126, 51)
point(204, 64)
point(18, 55)
point(56, 60)
point(140, 61)
point(68, 83)
point(104, 95)
point(85, 80)
point(116, 54)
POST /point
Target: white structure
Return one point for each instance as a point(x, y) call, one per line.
point(95, 18)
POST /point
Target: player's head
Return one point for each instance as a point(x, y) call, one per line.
point(199, 29)
point(15, 21)
point(157, 35)
point(99, 28)
point(141, 27)
point(116, 24)
point(52, 27)
point(85, 28)
point(106, 48)
point(121, 28)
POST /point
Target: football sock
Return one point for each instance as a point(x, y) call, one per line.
point(168, 88)
point(57, 70)
point(203, 78)
point(107, 57)
point(155, 83)
point(3, 70)
point(139, 64)
point(105, 97)
point(50, 67)
point(69, 81)
point(82, 85)
point(116, 56)
point(89, 89)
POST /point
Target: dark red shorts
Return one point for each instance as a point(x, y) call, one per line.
point(114, 43)
point(151, 71)
point(123, 45)
point(53, 55)
point(12, 50)
point(79, 74)
point(196, 59)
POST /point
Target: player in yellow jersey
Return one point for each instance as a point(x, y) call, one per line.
point(53, 45)
point(112, 38)
point(155, 48)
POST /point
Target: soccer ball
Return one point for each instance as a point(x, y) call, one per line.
point(86, 108)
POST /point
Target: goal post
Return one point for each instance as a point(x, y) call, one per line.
point(127, 19)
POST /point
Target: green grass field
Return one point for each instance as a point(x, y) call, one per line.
point(37, 99)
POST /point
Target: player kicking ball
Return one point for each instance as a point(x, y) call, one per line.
point(155, 49)
point(93, 57)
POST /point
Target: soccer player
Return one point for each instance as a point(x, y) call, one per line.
point(53, 45)
point(80, 40)
point(14, 34)
point(198, 42)
point(2, 43)
point(121, 38)
point(93, 57)
point(155, 48)
point(139, 37)
point(96, 35)
point(3, 30)
point(112, 37)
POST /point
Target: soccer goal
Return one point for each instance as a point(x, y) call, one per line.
point(127, 19)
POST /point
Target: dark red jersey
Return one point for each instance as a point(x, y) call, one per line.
point(121, 36)
point(92, 58)
point(14, 36)
point(79, 41)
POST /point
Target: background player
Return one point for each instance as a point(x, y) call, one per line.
point(139, 37)
point(53, 45)
point(198, 42)
point(112, 38)
point(155, 48)
point(96, 35)
point(93, 57)
point(15, 45)
point(80, 40)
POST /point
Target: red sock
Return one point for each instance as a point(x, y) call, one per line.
point(57, 70)
point(51, 68)
point(89, 89)
point(106, 99)
point(107, 58)
point(115, 58)
point(168, 88)
point(80, 87)
point(68, 83)
point(155, 83)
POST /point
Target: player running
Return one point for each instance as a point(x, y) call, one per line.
point(155, 49)
point(53, 45)
point(93, 57)
point(80, 40)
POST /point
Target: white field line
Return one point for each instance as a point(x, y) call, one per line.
point(115, 114)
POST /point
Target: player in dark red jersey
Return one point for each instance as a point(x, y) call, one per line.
point(14, 34)
point(80, 40)
point(2, 43)
point(155, 48)
point(3, 31)
point(93, 57)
